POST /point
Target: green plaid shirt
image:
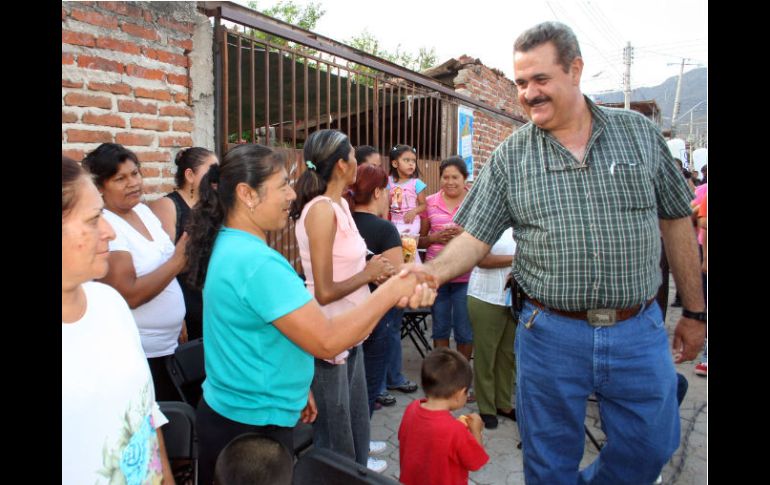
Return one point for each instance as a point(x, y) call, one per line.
point(587, 235)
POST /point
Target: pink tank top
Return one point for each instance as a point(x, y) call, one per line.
point(348, 258)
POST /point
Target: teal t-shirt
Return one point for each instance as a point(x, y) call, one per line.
point(254, 373)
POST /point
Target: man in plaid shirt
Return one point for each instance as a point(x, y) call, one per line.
point(588, 191)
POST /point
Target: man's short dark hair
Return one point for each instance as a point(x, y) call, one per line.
point(254, 460)
point(563, 38)
point(444, 372)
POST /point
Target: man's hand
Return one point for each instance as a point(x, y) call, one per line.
point(310, 412)
point(424, 292)
point(689, 337)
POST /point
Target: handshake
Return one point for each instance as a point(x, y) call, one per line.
point(413, 285)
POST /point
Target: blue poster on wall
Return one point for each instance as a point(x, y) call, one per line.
point(465, 137)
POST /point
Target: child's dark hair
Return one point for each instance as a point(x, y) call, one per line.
point(454, 161)
point(364, 151)
point(323, 148)
point(191, 158)
point(444, 372)
point(252, 459)
point(395, 154)
point(250, 164)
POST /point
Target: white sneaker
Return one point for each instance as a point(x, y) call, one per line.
point(376, 465)
point(377, 447)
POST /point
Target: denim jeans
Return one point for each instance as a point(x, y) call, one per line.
point(342, 424)
point(375, 359)
point(394, 375)
point(560, 361)
point(450, 311)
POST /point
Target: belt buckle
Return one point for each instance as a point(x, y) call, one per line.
point(601, 317)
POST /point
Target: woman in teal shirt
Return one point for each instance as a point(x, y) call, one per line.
point(262, 328)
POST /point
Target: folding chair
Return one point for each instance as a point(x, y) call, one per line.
point(181, 440)
point(414, 325)
point(187, 370)
point(325, 467)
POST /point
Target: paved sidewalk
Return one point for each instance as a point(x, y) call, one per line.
point(687, 467)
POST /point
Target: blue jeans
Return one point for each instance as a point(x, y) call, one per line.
point(375, 359)
point(560, 362)
point(342, 424)
point(450, 312)
point(393, 363)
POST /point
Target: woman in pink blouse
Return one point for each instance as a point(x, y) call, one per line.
point(450, 310)
point(333, 257)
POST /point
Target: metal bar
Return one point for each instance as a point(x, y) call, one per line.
point(280, 98)
point(439, 104)
point(317, 96)
point(306, 101)
point(267, 96)
point(418, 140)
point(339, 100)
point(253, 98)
point(411, 118)
point(253, 19)
point(225, 94)
point(398, 112)
point(348, 103)
point(294, 101)
point(328, 97)
point(390, 135)
point(219, 109)
point(366, 111)
point(358, 112)
point(384, 96)
point(238, 95)
point(375, 112)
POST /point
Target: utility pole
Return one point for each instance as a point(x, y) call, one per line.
point(628, 56)
point(677, 98)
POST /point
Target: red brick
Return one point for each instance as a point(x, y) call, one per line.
point(158, 188)
point(77, 38)
point(78, 99)
point(138, 71)
point(175, 141)
point(186, 44)
point(67, 58)
point(153, 156)
point(128, 106)
point(63, 14)
point(179, 79)
point(133, 139)
point(139, 31)
point(99, 63)
point(117, 88)
point(83, 136)
point(150, 124)
point(150, 171)
point(94, 18)
point(74, 154)
point(181, 26)
point(181, 97)
point(148, 17)
point(165, 56)
point(104, 120)
point(176, 111)
point(68, 117)
point(122, 8)
point(180, 125)
point(66, 83)
point(117, 45)
point(160, 94)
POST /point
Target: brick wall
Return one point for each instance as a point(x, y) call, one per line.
point(126, 79)
point(492, 87)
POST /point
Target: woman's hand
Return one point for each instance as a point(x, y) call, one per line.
point(445, 235)
point(310, 412)
point(378, 269)
point(410, 215)
point(179, 252)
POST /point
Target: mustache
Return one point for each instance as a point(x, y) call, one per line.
point(537, 100)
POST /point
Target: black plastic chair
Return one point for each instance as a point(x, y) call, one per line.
point(187, 370)
point(413, 325)
point(181, 439)
point(324, 467)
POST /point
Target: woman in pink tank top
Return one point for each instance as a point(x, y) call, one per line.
point(333, 256)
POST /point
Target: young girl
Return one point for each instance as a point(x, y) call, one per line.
point(407, 191)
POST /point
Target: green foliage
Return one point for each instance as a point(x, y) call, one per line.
point(424, 58)
point(305, 17)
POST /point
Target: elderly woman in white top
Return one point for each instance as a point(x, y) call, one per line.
point(143, 260)
point(494, 329)
point(110, 419)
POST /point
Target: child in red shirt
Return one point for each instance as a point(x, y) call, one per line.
point(434, 447)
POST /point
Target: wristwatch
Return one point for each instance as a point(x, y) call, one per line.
point(694, 315)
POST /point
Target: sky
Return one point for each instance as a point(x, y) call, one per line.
point(661, 32)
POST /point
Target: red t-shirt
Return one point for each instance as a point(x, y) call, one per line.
point(436, 449)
